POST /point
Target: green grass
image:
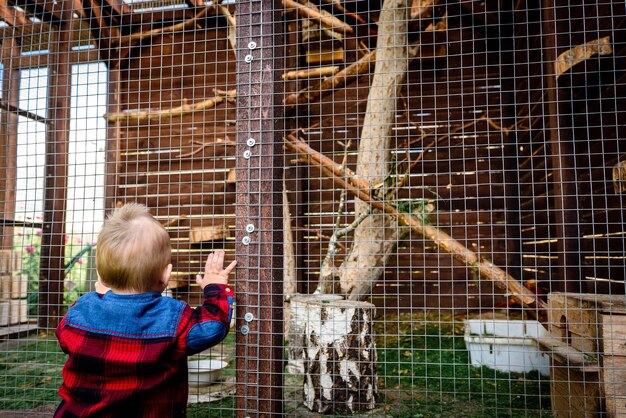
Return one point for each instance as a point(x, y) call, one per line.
point(424, 371)
point(30, 375)
point(221, 408)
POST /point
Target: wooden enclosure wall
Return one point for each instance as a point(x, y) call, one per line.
point(179, 166)
point(517, 158)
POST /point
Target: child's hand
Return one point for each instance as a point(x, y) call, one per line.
point(214, 271)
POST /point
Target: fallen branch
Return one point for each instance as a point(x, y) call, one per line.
point(327, 21)
point(172, 112)
point(359, 188)
point(580, 53)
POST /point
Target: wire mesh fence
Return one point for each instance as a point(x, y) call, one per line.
point(424, 198)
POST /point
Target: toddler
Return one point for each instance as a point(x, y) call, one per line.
point(127, 344)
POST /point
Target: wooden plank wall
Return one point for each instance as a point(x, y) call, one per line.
point(595, 88)
point(493, 189)
point(463, 172)
point(179, 166)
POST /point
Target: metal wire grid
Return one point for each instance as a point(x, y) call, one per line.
point(493, 146)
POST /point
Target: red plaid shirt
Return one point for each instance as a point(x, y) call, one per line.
point(128, 353)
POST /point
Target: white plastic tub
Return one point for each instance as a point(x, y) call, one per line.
point(205, 372)
point(506, 345)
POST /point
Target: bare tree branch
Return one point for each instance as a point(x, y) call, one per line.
point(346, 178)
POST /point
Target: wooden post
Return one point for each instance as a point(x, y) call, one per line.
point(113, 138)
point(511, 160)
point(564, 179)
point(8, 138)
point(55, 183)
point(259, 284)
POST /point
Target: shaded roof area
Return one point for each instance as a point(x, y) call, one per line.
point(116, 27)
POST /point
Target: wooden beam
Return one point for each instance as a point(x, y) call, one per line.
point(102, 32)
point(21, 112)
point(260, 351)
point(52, 270)
point(113, 136)
point(12, 16)
point(48, 11)
point(564, 181)
point(43, 60)
point(479, 11)
point(117, 9)
point(8, 142)
point(43, 30)
point(141, 18)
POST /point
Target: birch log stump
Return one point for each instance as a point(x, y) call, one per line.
point(340, 357)
point(298, 316)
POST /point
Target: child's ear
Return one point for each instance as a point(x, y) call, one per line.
point(167, 272)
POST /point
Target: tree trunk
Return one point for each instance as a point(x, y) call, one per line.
point(289, 262)
point(289, 257)
point(340, 357)
point(376, 238)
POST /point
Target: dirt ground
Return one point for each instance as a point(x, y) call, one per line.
point(44, 411)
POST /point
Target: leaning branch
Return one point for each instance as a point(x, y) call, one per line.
point(172, 112)
point(359, 188)
point(354, 70)
point(340, 79)
point(169, 29)
point(312, 73)
point(232, 27)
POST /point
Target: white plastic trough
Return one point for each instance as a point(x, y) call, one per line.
point(506, 345)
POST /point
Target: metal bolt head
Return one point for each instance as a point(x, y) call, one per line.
point(249, 228)
point(248, 58)
point(245, 329)
point(251, 142)
point(245, 240)
point(248, 317)
point(247, 154)
point(251, 45)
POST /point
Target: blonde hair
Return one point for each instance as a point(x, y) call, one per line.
point(133, 249)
